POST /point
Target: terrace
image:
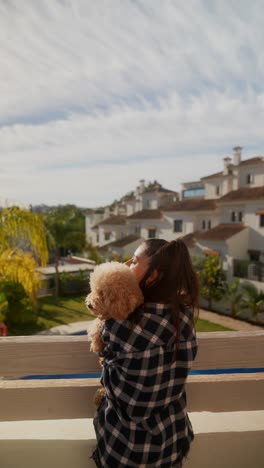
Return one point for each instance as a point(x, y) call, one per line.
point(249, 270)
point(47, 422)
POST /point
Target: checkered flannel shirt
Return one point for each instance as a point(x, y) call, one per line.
point(143, 421)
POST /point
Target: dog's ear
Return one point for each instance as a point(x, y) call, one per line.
point(119, 302)
point(89, 303)
point(94, 336)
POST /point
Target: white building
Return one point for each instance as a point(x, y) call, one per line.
point(186, 216)
point(111, 223)
point(222, 213)
point(122, 248)
point(109, 230)
point(146, 223)
point(236, 174)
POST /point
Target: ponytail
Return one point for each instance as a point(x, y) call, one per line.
point(176, 283)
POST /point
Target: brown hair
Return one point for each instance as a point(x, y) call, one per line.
point(176, 283)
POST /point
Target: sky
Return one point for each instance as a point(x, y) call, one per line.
point(96, 95)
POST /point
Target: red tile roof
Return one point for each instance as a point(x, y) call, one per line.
point(76, 260)
point(256, 160)
point(158, 188)
point(198, 204)
point(251, 161)
point(121, 242)
point(146, 214)
point(189, 239)
point(221, 232)
point(111, 221)
point(211, 252)
point(213, 176)
point(244, 193)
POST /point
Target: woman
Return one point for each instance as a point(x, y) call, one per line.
point(143, 421)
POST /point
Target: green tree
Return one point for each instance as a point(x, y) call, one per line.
point(65, 227)
point(23, 247)
point(92, 253)
point(212, 280)
point(234, 296)
point(253, 299)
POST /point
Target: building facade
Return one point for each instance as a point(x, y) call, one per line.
point(222, 212)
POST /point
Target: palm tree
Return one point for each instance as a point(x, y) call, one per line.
point(234, 296)
point(253, 299)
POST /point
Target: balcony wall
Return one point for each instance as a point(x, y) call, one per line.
point(47, 423)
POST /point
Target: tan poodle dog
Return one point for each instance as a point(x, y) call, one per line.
point(114, 294)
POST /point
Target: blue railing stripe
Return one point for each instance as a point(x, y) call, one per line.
point(228, 371)
point(192, 372)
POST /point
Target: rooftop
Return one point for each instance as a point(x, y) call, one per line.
point(158, 188)
point(251, 161)
point(245, 193)
point(66, 268)
point(221, 232)
point(112, 220)
point(189, 239)
point(198, 204)
point(121, 242)
point(73, 260)
point(146, 214)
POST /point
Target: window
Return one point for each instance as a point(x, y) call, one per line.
point(178, 225)
point(193, 192)
point(217, 190)
point(249, 178)
point(137, 229)
point(230, 172)
point(240, 216)
point(233, 216)
point(107, 235)
point(209, 225)
point(97, 237)
point(152, 233)
point(261, 220)
point(203, 224)
point(254, 255)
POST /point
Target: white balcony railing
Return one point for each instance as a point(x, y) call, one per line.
point(45, 422)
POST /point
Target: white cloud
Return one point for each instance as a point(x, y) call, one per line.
point(96, 95)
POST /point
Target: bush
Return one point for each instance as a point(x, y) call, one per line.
point(212, 280)
point(18, 308)
point(72, 284)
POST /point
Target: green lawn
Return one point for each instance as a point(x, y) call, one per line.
point(53, 313)
point(67, 310)
point(205, 326)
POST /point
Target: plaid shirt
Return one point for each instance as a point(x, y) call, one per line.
point(143, 421)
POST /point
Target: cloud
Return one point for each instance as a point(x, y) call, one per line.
point(96, 95)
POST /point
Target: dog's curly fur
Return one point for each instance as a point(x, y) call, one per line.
point(114, 294)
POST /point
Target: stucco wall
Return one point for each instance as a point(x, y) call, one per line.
point(210, 188)
point(117, 232)
point(228, 209)
point(150, 201)
point(238, 245)
point(257, 172)
point(256, 236)
point(167, 228)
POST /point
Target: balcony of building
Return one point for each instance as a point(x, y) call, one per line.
point(47, 422)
